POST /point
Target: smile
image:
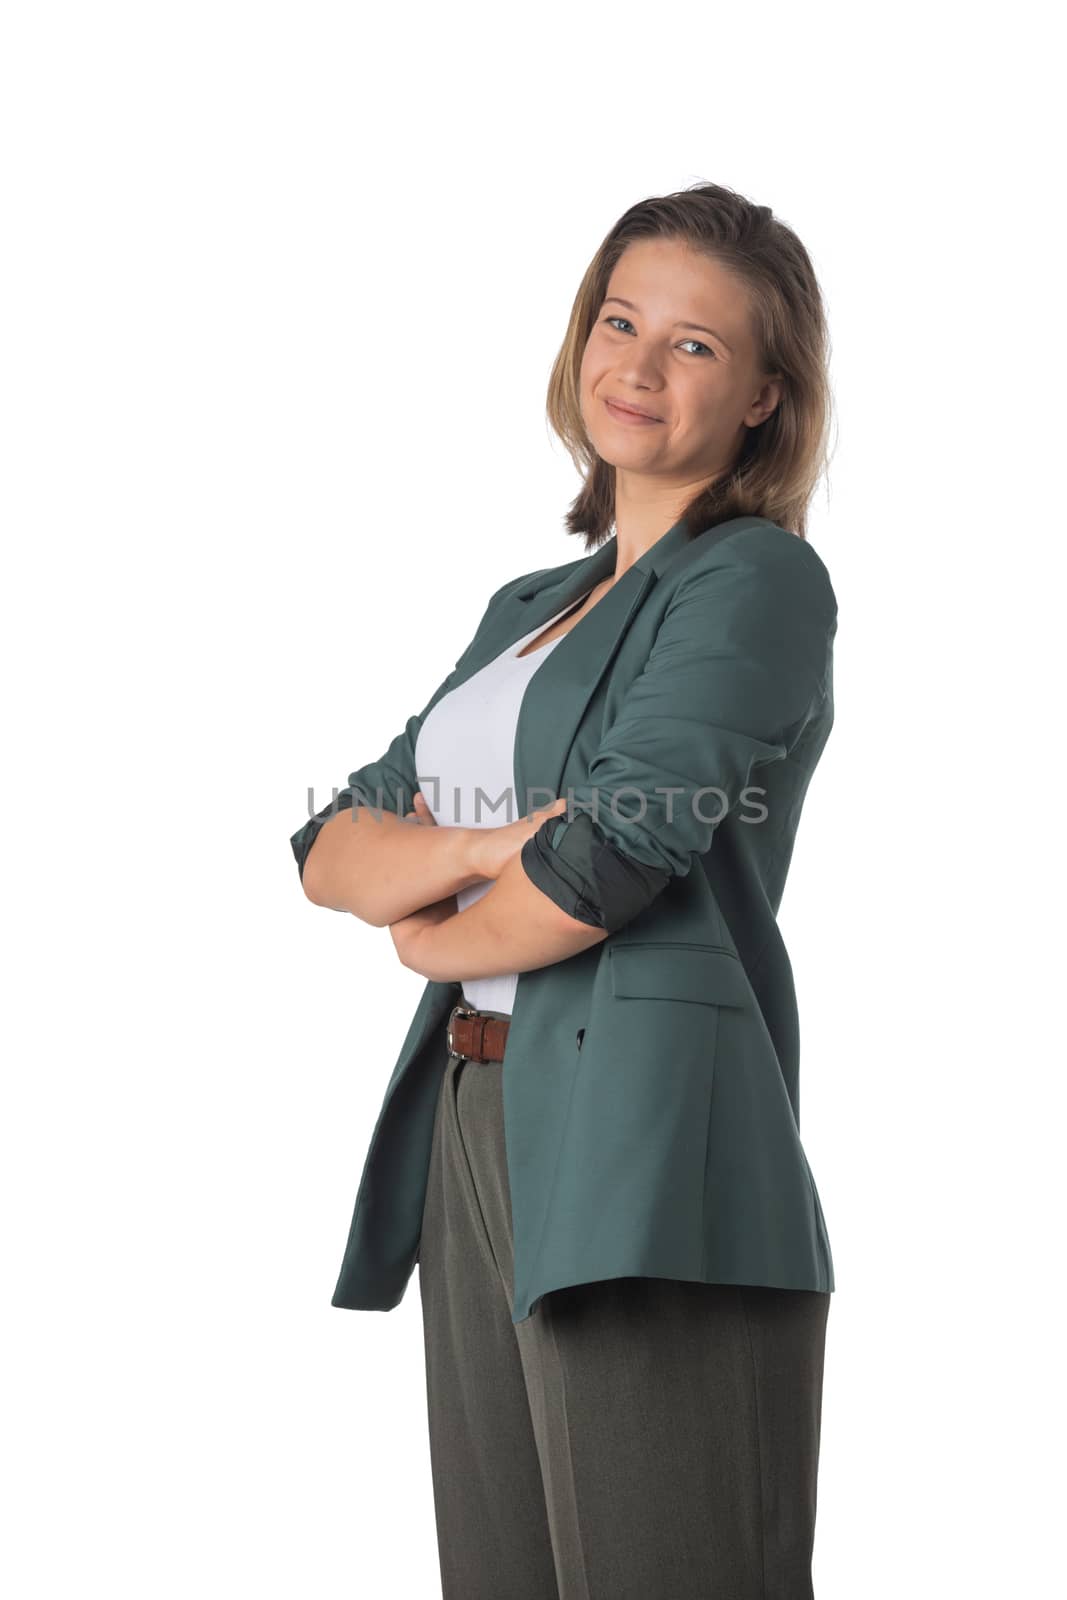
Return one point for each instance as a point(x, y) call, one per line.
point(630, 416)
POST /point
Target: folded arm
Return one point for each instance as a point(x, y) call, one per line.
point(513, 927)
point(381, 867)
point(741, 661)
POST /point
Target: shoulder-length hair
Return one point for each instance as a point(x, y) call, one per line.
point(781, 460)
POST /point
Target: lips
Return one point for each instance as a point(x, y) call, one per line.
point(625, 409)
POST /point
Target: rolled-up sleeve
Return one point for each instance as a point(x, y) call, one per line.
point(741, 662)
point(574, 864)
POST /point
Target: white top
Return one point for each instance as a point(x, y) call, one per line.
point(464, 758)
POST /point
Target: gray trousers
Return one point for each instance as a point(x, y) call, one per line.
point(634, 1438)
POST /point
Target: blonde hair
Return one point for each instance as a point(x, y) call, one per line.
point(781, 461)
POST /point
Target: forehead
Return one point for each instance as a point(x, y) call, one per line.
point(670, 280)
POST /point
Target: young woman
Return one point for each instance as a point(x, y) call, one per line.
point(590, 1142)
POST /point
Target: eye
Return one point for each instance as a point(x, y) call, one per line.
point(700, 346)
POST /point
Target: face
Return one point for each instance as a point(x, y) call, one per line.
point(702, 384)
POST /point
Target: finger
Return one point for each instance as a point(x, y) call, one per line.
point(425, 814)
point(551, 811)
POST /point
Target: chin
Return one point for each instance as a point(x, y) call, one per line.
point(616, 454)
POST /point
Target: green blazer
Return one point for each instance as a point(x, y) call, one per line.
point(650, 1083)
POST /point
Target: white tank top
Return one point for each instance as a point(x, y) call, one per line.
point(467, 743)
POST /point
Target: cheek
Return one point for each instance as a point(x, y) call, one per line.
point(587, 372)
point(589, 376)
point(704, 398)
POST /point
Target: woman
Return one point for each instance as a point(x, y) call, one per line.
point(590, 1141)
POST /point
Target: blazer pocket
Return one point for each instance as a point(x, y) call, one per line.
point(708, 974)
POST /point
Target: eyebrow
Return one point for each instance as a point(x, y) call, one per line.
point(699, 326)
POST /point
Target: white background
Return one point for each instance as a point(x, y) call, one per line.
point(281, 290)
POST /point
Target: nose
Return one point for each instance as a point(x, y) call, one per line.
point(640, 371)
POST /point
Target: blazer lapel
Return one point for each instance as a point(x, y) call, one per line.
point(554, 704)
point(542, 597)
point(555, 700)
point(563, 684)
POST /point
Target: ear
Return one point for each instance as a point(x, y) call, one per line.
point(771, 391)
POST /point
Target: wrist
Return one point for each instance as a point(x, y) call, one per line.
point(469, 858)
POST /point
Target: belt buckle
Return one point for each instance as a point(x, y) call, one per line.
point(463, 1011)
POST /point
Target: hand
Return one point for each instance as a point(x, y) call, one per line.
point(492, 848)
point(407, 931)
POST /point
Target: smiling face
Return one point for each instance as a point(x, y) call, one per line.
point(673, 338)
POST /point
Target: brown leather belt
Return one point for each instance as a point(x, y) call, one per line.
point(475, 1035)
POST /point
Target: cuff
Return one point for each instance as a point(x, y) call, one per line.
point(588, 878)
